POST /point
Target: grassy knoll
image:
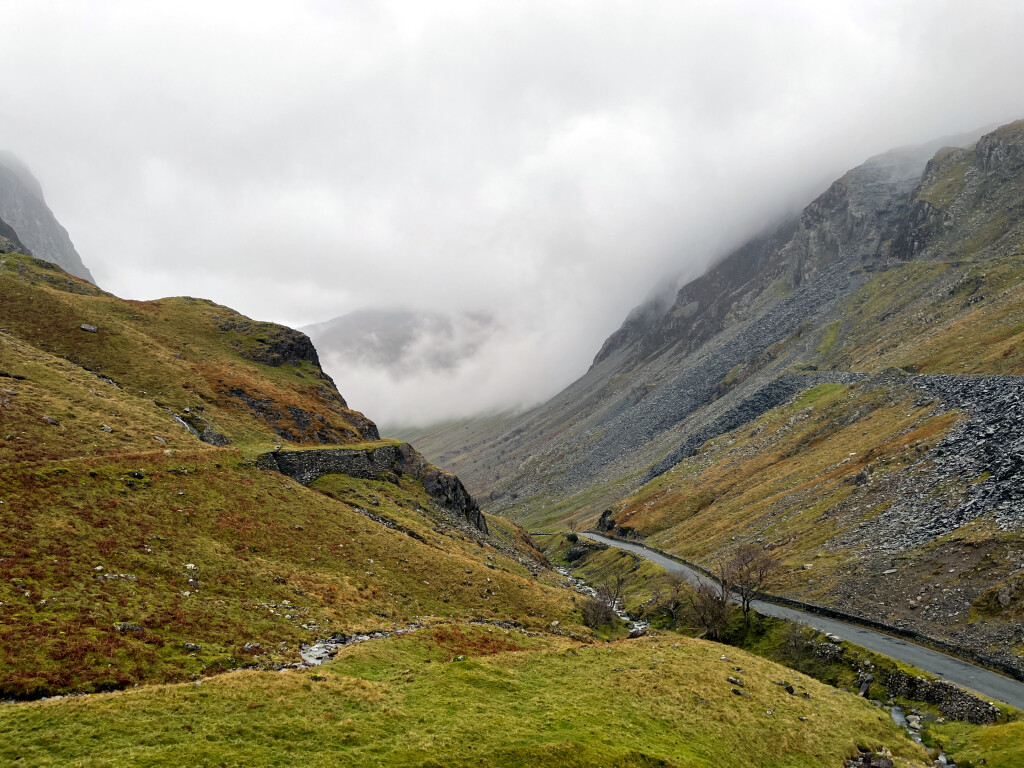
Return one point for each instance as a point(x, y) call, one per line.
point(461, 696)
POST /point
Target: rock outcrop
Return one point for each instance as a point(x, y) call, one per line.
point(24, 209)
point(385, 462)
point(9, 242)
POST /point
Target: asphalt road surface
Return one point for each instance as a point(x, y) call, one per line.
point(963, 673)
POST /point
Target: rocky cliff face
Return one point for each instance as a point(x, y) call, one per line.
point(386, 462)
point(9, 242)
point(667, 375)
point(24, 209)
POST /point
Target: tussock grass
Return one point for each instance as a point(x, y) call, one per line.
point(461, 696)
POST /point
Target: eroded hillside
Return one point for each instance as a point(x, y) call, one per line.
point(857, 375)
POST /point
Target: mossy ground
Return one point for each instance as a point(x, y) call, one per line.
point(468, 696)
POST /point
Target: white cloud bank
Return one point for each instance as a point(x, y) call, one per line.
point(543, 162)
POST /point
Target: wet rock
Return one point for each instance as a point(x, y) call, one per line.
point(1004, 597)
point(387, 462)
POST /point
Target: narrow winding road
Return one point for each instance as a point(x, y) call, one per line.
point(955, 670)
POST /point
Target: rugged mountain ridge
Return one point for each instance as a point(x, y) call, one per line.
point(844, 390)
point(24, 208)
point(675, 361)
point(9, 242)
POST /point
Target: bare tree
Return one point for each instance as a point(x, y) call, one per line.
point(670, 597)
point(710, 603)
point(616, 584)
point(596, 612)
point(751, 570)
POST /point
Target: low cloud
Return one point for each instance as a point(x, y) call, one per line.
point(544, 164)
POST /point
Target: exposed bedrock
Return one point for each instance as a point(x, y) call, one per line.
point(385, 462)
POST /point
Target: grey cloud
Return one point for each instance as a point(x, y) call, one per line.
point(545, 163)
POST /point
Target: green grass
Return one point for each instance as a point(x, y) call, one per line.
point(792, 646)
point(828, 338)
point(106, 501)
point(463, 696)
point(994, 746)
point(604, 567)
point(944, 191)
point(257, 539)
point(789, 479)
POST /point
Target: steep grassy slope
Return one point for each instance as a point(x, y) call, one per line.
point(230, 378)
point(140, 541)
point(460, 696)
point(111, 565)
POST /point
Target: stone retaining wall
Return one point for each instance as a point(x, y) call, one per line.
point(952, 702)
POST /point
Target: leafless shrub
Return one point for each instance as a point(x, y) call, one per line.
point(597, 613)
point(670, 598)
point(750, 571)
point(710, 603)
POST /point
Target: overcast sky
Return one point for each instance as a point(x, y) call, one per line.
point(546, 162)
